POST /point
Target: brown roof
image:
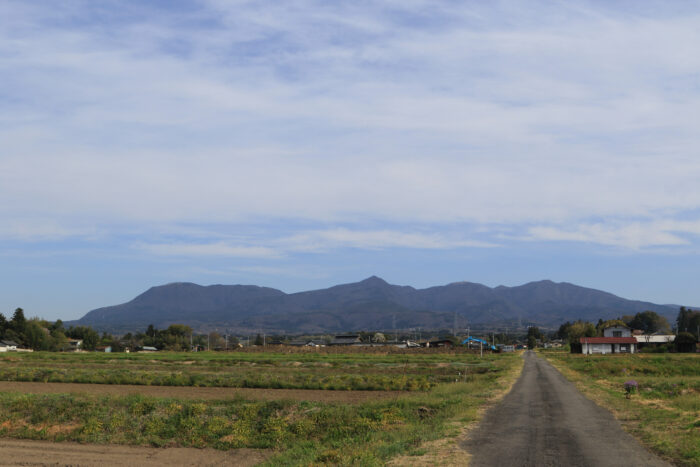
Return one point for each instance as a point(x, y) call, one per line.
point(608, 340)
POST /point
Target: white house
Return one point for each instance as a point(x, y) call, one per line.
point(8, 346)
point(605, 345)
point(616, 339)
point(617, 331)
point(75, 344)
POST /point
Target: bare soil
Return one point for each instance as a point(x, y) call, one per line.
point(546, 421)
point(25, 452)
point(188, 392)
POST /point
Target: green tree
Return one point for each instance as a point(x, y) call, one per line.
point(132, 341)
point(688, 321)
point(89, 336)
point(36, 336)
point(534, 331)
point(57, 326)
point(572, 332)
point(603, 325)
point(258, 340)
point(18, 324)
point(531, 342)
point(59, 340)
point(3, 325)
point(649, 322)
point(685, 342)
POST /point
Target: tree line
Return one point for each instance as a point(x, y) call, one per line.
point(686, 329)
point(39, 334)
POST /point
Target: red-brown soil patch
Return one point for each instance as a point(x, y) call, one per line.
point(25, 452)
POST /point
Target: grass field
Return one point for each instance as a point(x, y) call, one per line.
point(665, 411)
point(297, 432)
point(327, 369)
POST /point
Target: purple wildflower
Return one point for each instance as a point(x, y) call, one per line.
point(631, 386)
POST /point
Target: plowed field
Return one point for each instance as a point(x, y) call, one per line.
point(24, 452)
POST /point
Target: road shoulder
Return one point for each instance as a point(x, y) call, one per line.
point(447, 452)
point(658, 428)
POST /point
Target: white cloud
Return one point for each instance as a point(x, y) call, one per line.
point(632, 235)
point(220, 249)
point(346, 113)
point(47, 229)
point(309, 241)
point(319, 240)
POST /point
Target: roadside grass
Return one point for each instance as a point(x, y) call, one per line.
point(408, 371)
point(445, 450)
point(665, 412)
point(299, 432)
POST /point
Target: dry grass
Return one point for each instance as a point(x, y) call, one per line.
point(447, 451)
point(666, 422)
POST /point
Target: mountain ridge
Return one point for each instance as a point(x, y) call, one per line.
point(372, 303)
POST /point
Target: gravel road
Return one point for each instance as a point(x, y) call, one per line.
point(546, 421)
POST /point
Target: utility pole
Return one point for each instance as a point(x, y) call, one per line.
point(226, 340)
point(208, 341)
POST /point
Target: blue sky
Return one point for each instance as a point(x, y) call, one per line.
point(302, 144)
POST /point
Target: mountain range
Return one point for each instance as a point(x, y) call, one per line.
point(372, 304)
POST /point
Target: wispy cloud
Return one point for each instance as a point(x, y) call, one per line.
point(425, 111)
point(309, 241)
point(207, 249)
point(632, 235)
point(320, 240)
point(314, 129)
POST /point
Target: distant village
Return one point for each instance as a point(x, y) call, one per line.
point(643, 332)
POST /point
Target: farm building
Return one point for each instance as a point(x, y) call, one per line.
point(654, 340)
point(605, 345)
point(8, 346)
point(346, 339)
point(440, 343)
point(308, 343)
point(75, 344)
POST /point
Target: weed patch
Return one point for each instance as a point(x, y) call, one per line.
point(664, 413)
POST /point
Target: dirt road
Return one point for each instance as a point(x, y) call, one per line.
point(187, 392)
point(25, 452)
point(546, 421)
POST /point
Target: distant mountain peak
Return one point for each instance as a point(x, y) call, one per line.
point(371, 303)
point(374, 280)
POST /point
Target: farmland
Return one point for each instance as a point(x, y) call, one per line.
point(419, 397)
point(327, 370)
point(664, 412)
